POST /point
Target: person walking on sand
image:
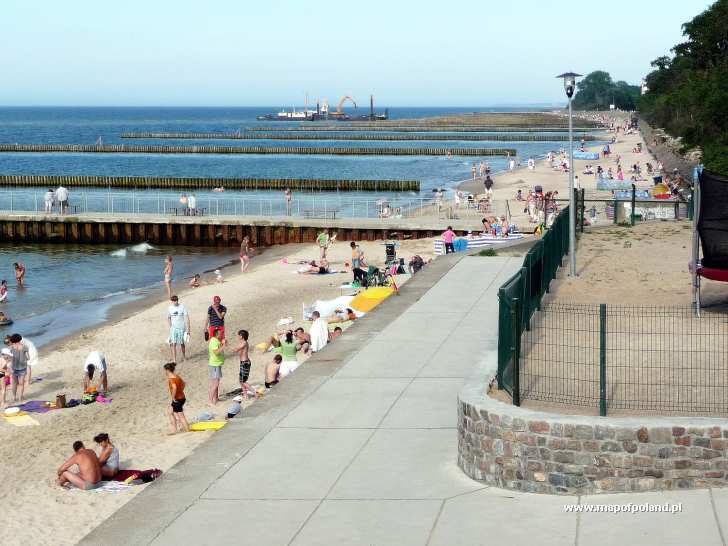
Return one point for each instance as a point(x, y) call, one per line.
point(448, 236)
point(216, 359)
point(288, 194)
point(216, 318)
point(324, 241)
point(168, 270)
point(89, 469)
point(179, 327)
point(243, 349)
point(245, 254)
point(175, 411)
point(19, 274)
point(96, 361)
point(19, 366)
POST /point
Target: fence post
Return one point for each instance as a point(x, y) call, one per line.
point(633, 214)
point(516, 352)
point(583, 211)
point(603, 359)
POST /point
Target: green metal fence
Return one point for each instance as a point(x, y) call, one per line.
point(520, 296)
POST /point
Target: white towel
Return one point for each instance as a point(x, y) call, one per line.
point(319, 334)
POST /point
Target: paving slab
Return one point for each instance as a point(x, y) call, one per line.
point(347, 403)
point(695, 524)
point(495, 516)
point(387, 359)
point(720, 502)
point(426, 403)
point(370, 522)
point(411, 327)
point(405, 464)
point(262, 522)
point(456, 357)
point(290, 463)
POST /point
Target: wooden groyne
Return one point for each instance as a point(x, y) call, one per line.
point(320, 135)
point(424, 129)
point(128, 182)
point(258, 150)
point(196, 231)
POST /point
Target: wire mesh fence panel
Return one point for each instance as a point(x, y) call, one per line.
point(656, 359)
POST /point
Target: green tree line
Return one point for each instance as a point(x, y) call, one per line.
point(688, 91)
point(597, 91)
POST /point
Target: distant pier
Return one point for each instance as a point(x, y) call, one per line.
point(321, 135)
point(209, 231)
point(129, 182)
point(424, 129)
point(253, 150)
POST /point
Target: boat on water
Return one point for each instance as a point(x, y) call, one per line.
point(293, 115)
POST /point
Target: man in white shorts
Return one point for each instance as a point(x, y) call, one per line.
point(179, 327)
point(96, 362)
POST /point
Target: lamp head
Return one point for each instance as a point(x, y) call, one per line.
point(569, 82)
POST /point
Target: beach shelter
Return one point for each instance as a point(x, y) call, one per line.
point(368, 299)
point(710, 231)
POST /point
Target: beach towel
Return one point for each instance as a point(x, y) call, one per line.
point(319, 333)
point(36, 406)
point(21, 420)
point(207, 425)
point(145, 476)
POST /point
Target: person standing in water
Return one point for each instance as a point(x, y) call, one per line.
point(245, 254)
point(3, 291)
point(168, 269)
point(19, 273)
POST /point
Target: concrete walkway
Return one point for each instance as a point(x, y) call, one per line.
point(359, 447)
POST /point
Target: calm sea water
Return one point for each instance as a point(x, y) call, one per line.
point(72, 287)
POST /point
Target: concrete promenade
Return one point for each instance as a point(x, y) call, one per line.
point(359, 447)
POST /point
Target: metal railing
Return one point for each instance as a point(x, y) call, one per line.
point(306, 206)
point(617, 357)
point(520, 296)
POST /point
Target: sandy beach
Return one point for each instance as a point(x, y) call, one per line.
point(40, 512)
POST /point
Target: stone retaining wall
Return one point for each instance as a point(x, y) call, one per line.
point(549, 456)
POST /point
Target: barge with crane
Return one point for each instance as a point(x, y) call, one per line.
point(322, 112)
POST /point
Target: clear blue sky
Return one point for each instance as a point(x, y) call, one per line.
point(269, 52)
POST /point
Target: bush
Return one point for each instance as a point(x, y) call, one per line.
point(487, 252)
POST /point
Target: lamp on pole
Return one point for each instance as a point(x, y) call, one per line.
point(570, 86)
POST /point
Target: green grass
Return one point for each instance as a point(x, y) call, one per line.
point(487, 252)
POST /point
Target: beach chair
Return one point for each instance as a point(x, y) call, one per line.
point(710, 233)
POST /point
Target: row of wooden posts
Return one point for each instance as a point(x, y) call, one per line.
point(296, 184)
point(423, 129)
point(319, 135)
point(293, 150)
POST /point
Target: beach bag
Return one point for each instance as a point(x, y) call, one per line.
point(89, 398)
point(60, 401)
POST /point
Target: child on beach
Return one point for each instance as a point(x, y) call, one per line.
point(175, 411)
point(3, 291)
point(195, 281)
point(271, 370)
point(6, 357)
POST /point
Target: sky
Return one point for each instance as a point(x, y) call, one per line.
point(271, 52)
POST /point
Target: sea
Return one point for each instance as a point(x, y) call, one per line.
point(72, 287)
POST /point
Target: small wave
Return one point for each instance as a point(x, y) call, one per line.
point(112, 294)
point(142, 247)
point(121, 253)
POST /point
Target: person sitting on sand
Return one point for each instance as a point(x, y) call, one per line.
point(109, 456)
point(519, 195)
point(313, 268)
point(89, 469)
point(271, 371)
point(289, 346)
point(303, 339)
point(95, 362)
point(175, 411)
point(195, 281)
point(335, 334)
point(19, 273)
point(342, 316)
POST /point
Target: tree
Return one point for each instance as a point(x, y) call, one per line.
point(688, 92)
point(597, 91)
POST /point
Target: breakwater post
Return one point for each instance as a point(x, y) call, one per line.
point(320, 135)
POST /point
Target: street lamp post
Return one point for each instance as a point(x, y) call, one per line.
point(570, 86)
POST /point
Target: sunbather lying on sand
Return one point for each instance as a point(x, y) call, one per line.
point(342, 315)
point(312, 268)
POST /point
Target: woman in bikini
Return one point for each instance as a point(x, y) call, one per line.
point(109, 456)
point(245, 254)
point(168, 268)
